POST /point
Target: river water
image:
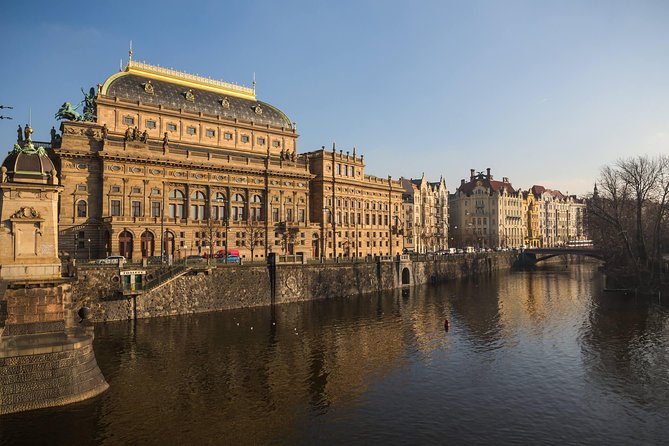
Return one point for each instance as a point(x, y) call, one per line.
point(539, 357)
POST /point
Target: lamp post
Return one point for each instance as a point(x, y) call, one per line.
point(325, 232)
point(89, 249)
point(76, 242)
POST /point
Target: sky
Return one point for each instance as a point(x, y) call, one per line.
point(542, 92)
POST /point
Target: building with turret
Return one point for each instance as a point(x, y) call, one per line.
point(486, 213)
point(425, 215)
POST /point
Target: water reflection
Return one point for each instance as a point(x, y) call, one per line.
point(526, 355)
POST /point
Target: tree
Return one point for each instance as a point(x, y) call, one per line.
point(254, 236)
point(628, 219)
point(287, 233)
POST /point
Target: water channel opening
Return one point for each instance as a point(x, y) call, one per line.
point(406, 276)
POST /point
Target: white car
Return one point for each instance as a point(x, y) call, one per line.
point(111, 260)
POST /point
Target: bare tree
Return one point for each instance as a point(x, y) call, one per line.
point(628, 215)
point(288, 234)
point(254, 236)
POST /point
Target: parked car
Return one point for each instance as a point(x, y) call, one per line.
point(111, 260)
point(452, 251)
point(469, 249)
point(195, 259)
point(220, 254)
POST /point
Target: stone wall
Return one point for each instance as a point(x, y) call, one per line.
point(239, 286)
point(47, 370)
point(31, 310)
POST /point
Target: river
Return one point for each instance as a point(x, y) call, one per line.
point(541, 357)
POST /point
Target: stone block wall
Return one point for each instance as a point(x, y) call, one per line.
point(35, 310)
point(223, 288)
point(239, 286)
point(54, 374)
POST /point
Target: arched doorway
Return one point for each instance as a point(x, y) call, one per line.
point(168, 244)
point(406, 276)
point(125, 244)
point(147, 244)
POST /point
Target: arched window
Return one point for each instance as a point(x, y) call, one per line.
point(82, 209)
point(238, 207)
point(177, 194)
point(220, 196)
point(256, 208)
point(197, 195)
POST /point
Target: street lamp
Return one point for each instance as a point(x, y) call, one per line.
point(325, 232)
point(76, 242)
point(89, 249)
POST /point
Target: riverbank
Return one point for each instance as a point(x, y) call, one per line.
point(239, 286)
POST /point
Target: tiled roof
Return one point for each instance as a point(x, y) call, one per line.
point(131, 86)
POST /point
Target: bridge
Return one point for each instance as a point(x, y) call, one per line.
point(531, 256)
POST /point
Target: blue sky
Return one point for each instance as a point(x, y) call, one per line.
point(542, 92)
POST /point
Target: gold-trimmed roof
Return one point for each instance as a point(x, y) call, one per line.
point(182, 78)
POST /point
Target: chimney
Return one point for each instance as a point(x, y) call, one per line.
point(462, 182)
point(488, 173)
point(505, 179)
point(471, 174)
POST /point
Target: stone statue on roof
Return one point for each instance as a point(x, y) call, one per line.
point(89, 105)
point(19, 138)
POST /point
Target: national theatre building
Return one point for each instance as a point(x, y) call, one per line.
point(195, 165)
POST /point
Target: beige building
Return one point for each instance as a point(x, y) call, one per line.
point(486, 213)
point(194, 165)
point(358, 214)
point(185, 162)
point(425, 215)
point(562, 217)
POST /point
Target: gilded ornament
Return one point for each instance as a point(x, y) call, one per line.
point(257, 109)
point(148, 87)
point(190, 97)
point(225, 103)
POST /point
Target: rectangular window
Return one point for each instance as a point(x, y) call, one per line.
point(275, 214)
point(289, 215)
point(128, 120)
point(338, 169)
point(136, 190)
point(155, 209)
point(300, 215)
point(211, 133)
point(116, 207)
point(191, 130)
point(81, 188)
point(136, 208)
point(227, 135)
point(172, 127)
point(193, 212)
point(116, 189)
point(150, 124)
point(261, 141)
point(245, 138)
point(276, 143)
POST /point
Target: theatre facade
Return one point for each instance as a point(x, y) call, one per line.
point(196, 165)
